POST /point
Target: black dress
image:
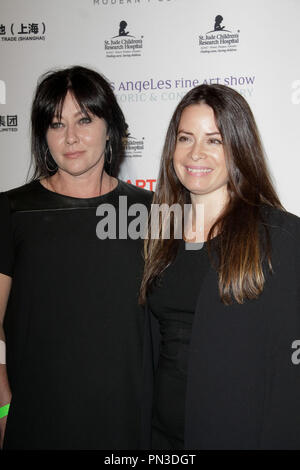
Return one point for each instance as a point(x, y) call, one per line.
point(73, 326)
point(173, 303)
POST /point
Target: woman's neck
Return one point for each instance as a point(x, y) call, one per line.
point(81, 186)
point(212, 205)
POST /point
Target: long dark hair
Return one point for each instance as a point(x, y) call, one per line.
point(93, 93)
point(241, 246)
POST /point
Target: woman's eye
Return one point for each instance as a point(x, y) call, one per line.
point(85, 120)
point(56, 125)
point(215, 141)
point(183, 138)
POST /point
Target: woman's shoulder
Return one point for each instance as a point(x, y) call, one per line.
point(21, 195)
point(281, 222)
point(25, 188)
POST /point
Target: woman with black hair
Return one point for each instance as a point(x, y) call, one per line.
point(72, 325)
point(225, 316)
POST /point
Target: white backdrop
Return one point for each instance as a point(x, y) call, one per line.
point(167, 47)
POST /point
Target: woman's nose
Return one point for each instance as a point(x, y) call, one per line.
point(198, 151)
point(71, 135)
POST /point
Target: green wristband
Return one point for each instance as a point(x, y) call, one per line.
point(4, 410)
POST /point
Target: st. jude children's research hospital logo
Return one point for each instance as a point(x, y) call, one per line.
point(220, 39)
point(134, 147)
point(124, 44)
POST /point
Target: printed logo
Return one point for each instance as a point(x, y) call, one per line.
point(146, 184)
point(134, 147)
point(166, 89)
point(9, 123)
point(218, 27)
point(2, 92)
point(23, 32)
point(123, 44)
point(219, 39)
point(122, 30)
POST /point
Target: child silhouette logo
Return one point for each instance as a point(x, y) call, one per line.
point(218, 27)
point(129, 136)
point(123, 26)
point(218, 21)
point(122, 30)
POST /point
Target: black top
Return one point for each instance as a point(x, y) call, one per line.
point(173, 303)
point(243, 381)
point(73, 327)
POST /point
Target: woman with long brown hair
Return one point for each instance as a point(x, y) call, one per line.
point(225, 319)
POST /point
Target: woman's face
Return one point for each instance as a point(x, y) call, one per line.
point(199, 158)
point(77, 141)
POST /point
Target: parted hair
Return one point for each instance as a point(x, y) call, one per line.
point(243, 244)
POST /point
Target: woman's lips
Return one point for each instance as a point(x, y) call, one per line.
point(73, 154)
point(198, 170)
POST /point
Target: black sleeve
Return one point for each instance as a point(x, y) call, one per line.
point(6, 239)
point(282, 414)
point(281, 428)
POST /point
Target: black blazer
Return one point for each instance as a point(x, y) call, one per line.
point(243, 384)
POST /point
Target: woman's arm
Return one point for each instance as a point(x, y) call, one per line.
point(5, 392)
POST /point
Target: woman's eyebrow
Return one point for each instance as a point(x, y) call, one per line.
point(190, 133)
point(185, 132)
point(78, 113)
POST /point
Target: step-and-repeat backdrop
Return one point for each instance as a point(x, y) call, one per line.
point(153, 52)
